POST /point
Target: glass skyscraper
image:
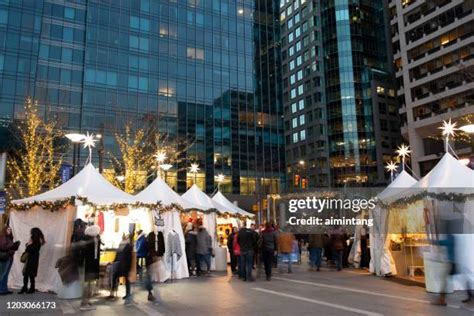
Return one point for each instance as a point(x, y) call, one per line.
point(363, 125)
point(205, 70)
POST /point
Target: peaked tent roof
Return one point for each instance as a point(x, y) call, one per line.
point(221, 199)
point(402, 181)
point(159, 190)
point(196, 196)
point(448, 173)
point(88, 183)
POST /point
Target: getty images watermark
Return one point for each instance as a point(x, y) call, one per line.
point(329, 211)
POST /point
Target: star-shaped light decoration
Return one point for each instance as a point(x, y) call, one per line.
point(220, 177)
point(160, 156)
point(391, 166)
point(448, 128)
point(89, 141)
point(194, 168)
point(403, 151)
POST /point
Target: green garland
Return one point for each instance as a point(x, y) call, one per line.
point(452, 197)
point(62, 204)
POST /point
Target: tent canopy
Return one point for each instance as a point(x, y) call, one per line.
point(199, 198)
point(159, 191)
point(88, 183)
point(221, 199)
point(402, 181)
point(448, 173)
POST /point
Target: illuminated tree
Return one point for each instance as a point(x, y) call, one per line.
point(35, 165)
point(140, 148)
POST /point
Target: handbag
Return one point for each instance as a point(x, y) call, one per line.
point(24, 257)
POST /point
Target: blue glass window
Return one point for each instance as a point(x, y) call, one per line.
point(100, 76)
point(68, 34)
point(111, 78)
point(90, 75)
point(3, 17)
point(67, 55)
point(65, 76)
point(133, 41)
point(143, 83)
point(69, 13)
point(133, 82)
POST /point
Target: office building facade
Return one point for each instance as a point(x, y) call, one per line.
point(206, 71)
point(339, 54)
point(433, 45)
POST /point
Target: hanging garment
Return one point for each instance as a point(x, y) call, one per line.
point(101, 221)
point(155, 244)
point(173, 246)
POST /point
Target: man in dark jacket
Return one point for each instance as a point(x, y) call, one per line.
point(230, 247)
point(247, 240)
point(203, 250)
point(315, 246)
point(190, 239)
point(269, 245)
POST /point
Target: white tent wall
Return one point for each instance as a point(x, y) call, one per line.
point(161, 271)
point(381, 262)
point(210, 223)
point(56, 227)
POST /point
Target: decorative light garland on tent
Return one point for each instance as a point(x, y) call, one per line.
point(452, 197)
point(62, 204)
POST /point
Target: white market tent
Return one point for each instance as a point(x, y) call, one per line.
point(57, 225)
point(382, 262)
point(449, 175)
point(199, 198)
point(195, 195)
point(221, 199)
point(88, 183)
point(159, 191)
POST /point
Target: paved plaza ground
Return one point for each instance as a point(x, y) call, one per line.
point(350, 292)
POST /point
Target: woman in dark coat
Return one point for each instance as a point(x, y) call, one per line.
point(30, 268)
point(123, 265)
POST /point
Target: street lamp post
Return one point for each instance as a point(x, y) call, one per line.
point(165, 167)
point(220, 179)
point(301, 163)
point(194, 169)
point(76, 139)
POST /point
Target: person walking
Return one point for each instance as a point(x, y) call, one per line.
point(151, 257)
point(236, 250)
point(7, 250)
point(315, 245)
point(91, 256)
point(285, 248)
point(230, 247)
point(31, 259)
point(203, 250)
point(269, 246)
point(247, 239)
point(140, 248)
point(190, 240)
point(337, 246)
point(123, 267)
